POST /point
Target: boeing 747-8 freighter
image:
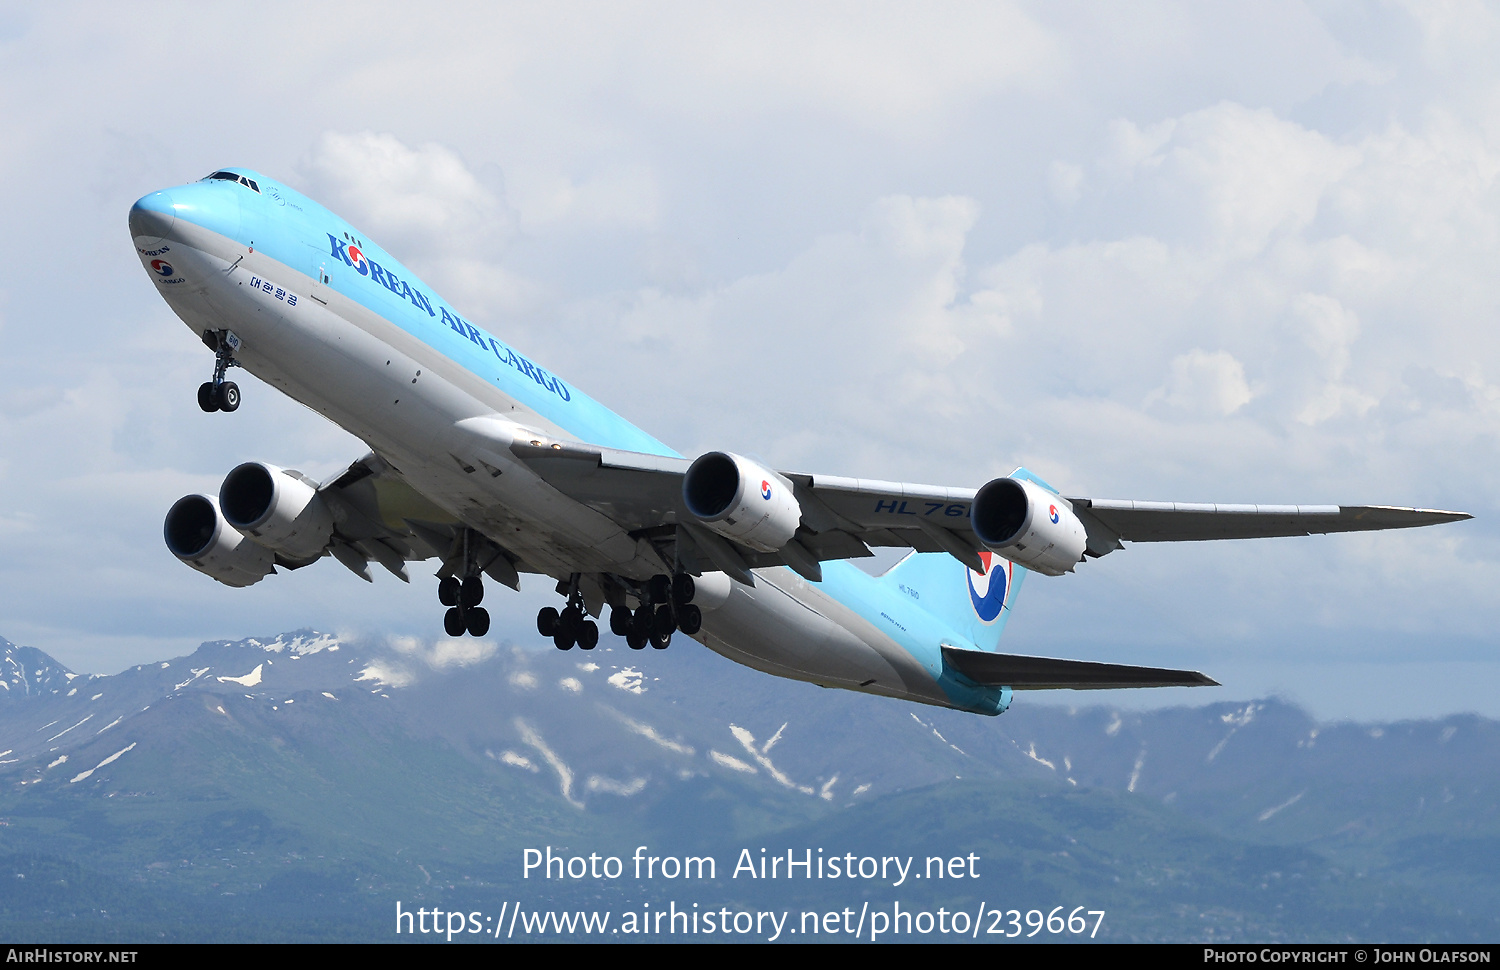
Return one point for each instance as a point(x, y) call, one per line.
point(489, 463)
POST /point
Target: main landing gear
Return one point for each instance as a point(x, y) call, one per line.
point(572, 625)
point(461, 583)
point(463, 597)
point(219, 394)
point(666, 605)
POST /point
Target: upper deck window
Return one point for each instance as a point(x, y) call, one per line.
point(231, 177)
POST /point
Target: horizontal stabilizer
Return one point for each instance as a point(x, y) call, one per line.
point(1044, 673)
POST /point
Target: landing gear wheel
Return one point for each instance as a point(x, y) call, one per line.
point(448, 588)
point(453, 622)
point(635, 641)
point(683, 589)
point(227, 396)
point(640, 623)
point(207, 400)
point(619, 622)
point(661, 640)
point(689, 619)
point(663, 622)
point(569, 626)
point(473, 591)
point(546, 621)
point(478, 621)
point(588, 635)
point(660, 589)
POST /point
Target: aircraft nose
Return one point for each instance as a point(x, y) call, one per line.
point(152, 217)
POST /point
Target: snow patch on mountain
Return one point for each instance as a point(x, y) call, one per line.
point(248, 680)
point(84, 774)
point(628, 679)
point(730, 761)
point(651, 734)
point(298, 644)
point(564, 773)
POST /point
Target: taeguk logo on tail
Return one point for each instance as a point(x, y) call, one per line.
point(1052, 513)
point(161, 267)
point(765, 490)
point(987, 591)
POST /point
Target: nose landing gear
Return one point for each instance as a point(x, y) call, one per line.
point(219, 394)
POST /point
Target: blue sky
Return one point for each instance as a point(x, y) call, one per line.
point(1167, 251)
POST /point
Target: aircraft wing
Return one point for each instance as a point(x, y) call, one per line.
point(1109, 521)
point(841, 518)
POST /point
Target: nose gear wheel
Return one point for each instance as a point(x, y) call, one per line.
point(219, 394)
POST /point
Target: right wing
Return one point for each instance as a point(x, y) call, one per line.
point(1109, 521)
point(841, 518)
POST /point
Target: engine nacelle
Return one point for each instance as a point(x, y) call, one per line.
point(198, 534)
point(277, 509)
point(741, 500)
point(1028, 525)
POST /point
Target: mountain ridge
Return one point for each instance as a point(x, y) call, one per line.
point(427, 768)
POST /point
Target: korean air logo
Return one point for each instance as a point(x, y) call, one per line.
point(1052, 513)
point(987, 591)
point(161, 267)
point(765, 490)
point(358, 261)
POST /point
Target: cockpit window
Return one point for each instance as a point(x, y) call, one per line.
point(231, 177)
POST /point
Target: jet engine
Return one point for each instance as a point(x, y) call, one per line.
point(1028, 525)
point(741, 500)
point(277, 508)
point(198, 534)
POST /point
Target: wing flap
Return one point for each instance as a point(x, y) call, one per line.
point(635, 490)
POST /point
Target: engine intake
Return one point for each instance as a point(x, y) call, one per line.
point(198, 534)
point(277, 508)
point(741, 500)
point(1028, 525)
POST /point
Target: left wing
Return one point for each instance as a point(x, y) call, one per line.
point(368, 513)
point(800, 520)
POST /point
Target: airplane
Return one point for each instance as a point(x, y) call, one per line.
point(486, 461)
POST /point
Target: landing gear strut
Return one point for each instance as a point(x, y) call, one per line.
point(219, 394)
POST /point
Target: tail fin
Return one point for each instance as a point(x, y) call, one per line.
point(975, 606)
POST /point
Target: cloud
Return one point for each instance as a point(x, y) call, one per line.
point(446, 652)
point(1224, 179)
point(424, 194)
point(382, 673)
point(1206, 382)
point(425, 203)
